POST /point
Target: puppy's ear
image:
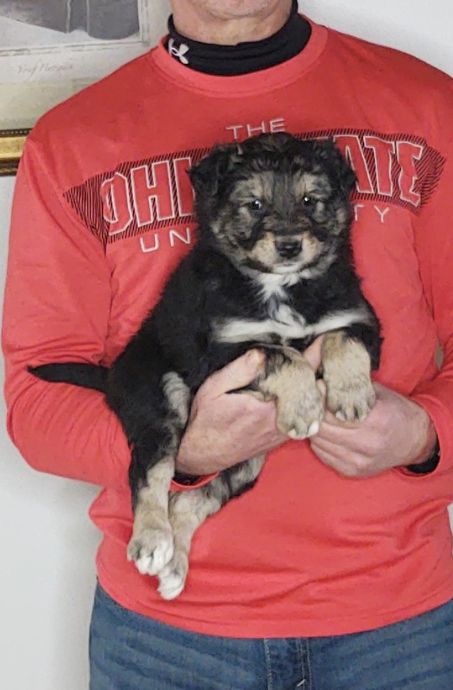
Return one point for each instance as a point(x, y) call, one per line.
point(207, 175)
point(343, 171)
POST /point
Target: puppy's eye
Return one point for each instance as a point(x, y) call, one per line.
point(308, 200)
point(255, 205)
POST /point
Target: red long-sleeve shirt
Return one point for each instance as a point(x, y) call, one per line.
point(102, 215)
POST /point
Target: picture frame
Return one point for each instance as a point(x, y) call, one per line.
point(44, 60)
point(11, 146)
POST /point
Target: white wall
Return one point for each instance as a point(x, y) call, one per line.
point(46, 572)
point(47, 542)
point(424, 29)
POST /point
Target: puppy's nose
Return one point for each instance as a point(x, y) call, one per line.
point(288, 248)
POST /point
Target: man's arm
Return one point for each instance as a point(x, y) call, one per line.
point(57, 304)
point(434, 246)
point(400, 431)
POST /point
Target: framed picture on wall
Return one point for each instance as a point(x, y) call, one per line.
point(50, 49)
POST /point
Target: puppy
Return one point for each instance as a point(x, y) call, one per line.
point(272, 268)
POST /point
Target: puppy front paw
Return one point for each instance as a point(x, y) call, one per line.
point(346, 373)
point(350, 400)
point(151, 549)
point(299, 415)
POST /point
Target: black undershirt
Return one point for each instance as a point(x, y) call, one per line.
point(242, 58)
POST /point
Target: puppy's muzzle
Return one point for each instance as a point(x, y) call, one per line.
point(288, 249)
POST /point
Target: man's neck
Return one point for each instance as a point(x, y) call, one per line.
point(201, 25)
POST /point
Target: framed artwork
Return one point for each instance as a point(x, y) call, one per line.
point(50, 49)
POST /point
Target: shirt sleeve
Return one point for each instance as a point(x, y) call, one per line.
point(434, 246)
point(57, 303)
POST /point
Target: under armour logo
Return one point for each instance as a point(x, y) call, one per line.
point(178, 52)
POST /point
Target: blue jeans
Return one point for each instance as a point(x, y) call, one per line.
point(132, 652)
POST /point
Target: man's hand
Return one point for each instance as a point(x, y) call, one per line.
point(397, 432)
point(226, 428)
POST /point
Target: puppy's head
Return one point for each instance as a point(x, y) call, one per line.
point(275, 204)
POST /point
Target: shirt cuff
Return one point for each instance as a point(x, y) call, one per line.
point(441, 419)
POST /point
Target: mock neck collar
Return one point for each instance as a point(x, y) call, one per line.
point(243, 58)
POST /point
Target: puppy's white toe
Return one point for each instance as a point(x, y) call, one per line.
point(341, 416)
point(313, 429)
point(143, 564)
point(173, 577)
point(170, 587)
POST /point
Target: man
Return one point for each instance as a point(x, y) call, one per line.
point(335, 572)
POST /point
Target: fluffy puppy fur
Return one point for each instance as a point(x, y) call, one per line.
point(271, 268)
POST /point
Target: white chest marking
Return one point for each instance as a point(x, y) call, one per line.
point(288, 325)
point(273, 284)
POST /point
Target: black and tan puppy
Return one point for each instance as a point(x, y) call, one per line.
point(272, 268)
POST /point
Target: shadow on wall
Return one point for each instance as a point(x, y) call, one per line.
point(75, 584)
point(99, 18)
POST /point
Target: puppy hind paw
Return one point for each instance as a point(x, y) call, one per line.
point(151, 550)
point(172, 578)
